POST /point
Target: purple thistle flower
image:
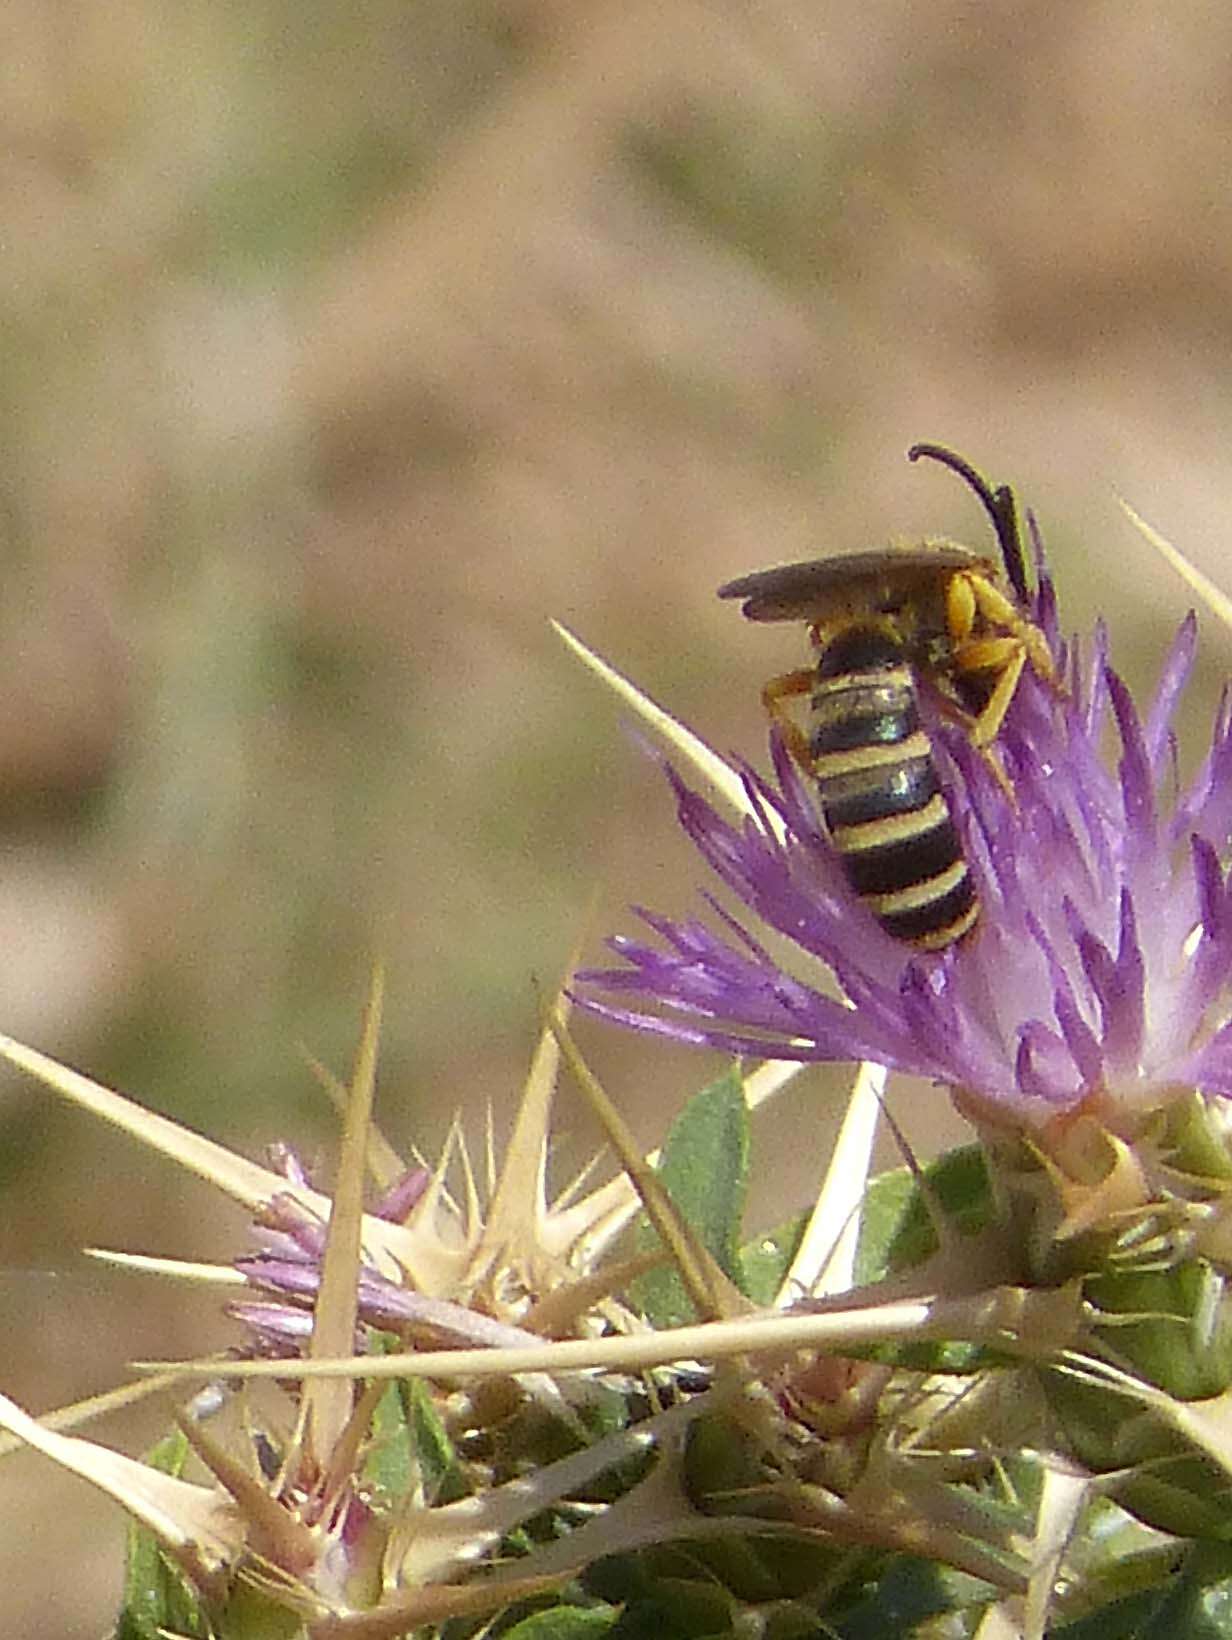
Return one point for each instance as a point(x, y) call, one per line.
point(1099, 973)
point(288, 1265)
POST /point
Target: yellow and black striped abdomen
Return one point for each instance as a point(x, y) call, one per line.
point(884, 807)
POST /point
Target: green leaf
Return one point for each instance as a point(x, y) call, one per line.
point(896, 1229)
point(1172, 1327)
point(565, 1623)
point(390, 1463)
point(1129, 1619)
point(253, 1613)
point(1197, 1140)
point(444, 1480)
point(684, 1608)
point(897, 1232)
point(1166, 1482)
point(411, 1447)
point(909, 1592)
point(704, 1167)
point(157, 1598)
point(1195, 1605)
point(788, 1620)
point(765, 1261)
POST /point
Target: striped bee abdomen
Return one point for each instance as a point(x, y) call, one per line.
point(884, 808)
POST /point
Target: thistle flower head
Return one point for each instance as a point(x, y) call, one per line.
point(480, 1286)
point(1098, 975)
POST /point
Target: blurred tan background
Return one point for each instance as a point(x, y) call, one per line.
point(341, 345)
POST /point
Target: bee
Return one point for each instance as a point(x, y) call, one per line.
point(883, 624)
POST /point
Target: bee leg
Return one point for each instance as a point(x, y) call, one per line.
point(996, 608)
point(1004, 656)
point(984, 745)
point(786, 687)
point(960, 607)
point(1007, 657)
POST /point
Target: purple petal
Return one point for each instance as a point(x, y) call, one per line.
point(1206, 805)
point(1137, 781)
point(823, 1046)
point(277, 1326)
point(1117, 983)
point(1210, 1069)
point(397, 1202)
point(1208, 876)
point(285, 1160)
point(1094, 698)
point(1079, 1038)
point(1038, 1061)
point(1119, 986)
point(278, 1276)
point(1173, 678)
point(934, 1023)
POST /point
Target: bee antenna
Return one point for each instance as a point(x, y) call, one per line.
point(999, 505)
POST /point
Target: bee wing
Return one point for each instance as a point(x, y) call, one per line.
point(802, 592)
